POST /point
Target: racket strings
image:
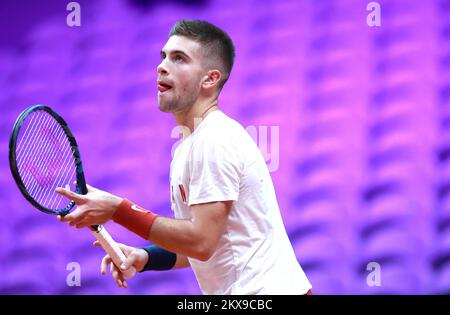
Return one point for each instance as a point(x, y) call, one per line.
point(28, 160)
point(45, 159)
point(42, 166)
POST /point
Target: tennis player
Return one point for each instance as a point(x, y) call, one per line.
point(227, 225)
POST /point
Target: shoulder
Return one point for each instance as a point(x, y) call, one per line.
point(221, 130)
point(221, 140)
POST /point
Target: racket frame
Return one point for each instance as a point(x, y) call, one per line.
point(81, 182)
point(102, 235)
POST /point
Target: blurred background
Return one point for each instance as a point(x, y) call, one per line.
point(363, 115)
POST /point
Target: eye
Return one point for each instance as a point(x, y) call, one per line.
point(178, 58)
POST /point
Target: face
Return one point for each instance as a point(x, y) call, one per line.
point(179, 74)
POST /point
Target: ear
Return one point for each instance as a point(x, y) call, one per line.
point(211, 79)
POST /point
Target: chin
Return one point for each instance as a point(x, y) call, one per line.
point(172, 107)
point(165, 106)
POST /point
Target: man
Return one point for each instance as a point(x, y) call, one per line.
point(227, 225)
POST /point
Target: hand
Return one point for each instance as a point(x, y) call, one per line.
point(94, 208)
point(136, 257)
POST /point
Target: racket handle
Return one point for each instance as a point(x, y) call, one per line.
point(113, 250)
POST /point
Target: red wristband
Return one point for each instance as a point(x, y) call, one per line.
point(134, 218)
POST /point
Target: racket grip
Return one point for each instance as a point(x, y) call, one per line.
point(113, 250)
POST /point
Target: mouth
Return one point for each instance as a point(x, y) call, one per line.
point(164, 86)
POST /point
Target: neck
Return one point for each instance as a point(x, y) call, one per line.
point(194, 116)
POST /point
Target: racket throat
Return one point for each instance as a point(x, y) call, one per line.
point(96, 228)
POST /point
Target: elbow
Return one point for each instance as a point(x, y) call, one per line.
point(204, 256)
point(204, 252)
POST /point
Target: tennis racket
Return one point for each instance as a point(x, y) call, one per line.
point(43, 155)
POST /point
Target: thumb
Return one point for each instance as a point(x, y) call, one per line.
point(129, 261)
point(79, 199)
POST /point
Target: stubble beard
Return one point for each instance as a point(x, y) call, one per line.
point(179, 103)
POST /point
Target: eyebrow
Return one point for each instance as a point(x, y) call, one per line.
point(174, 52)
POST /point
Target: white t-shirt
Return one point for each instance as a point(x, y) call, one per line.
point(220, 161)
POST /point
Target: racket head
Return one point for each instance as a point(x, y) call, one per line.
point(43, 155)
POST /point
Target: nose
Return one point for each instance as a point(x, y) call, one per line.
point(162, 68)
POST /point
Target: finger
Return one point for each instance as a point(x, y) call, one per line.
point(74, 217)
point(79, 199)
point(105, 261)
point(69, 194)
point(90, 188)
point(96, 243)
point(119, 275)
point(116, 275)
point(82, 224)
point(116, 278)
point(78, 219)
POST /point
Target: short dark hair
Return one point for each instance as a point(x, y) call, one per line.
point(215, 41)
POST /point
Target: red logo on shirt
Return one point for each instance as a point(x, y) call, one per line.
point(171, 194)
point(183, 193)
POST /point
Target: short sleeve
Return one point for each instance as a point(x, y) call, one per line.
point(214, 168)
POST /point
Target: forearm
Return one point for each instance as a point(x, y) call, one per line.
point(194, 238)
